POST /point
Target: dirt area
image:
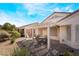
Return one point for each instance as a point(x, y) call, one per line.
point(6, 48)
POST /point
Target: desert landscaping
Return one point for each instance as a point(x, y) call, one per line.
point(6, 48)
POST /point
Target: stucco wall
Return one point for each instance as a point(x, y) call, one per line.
point(77, 33)
point(73, 21)
point(54, 33)
point(42, 31)
point(64, 36)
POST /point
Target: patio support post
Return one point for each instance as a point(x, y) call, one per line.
point(32, 33)
point(37, 31)
point(48, 37)
point(25, 32)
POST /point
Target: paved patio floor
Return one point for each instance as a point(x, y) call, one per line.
point(42, 50)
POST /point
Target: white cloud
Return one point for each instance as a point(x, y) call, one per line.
point(69, 8)
point(36, 8)
point(56, 9)
point(64, 9)
point(18, 21)
point(32, 8)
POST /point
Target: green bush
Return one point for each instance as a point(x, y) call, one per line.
point(67, 53)
point(14, 36)
point(8, 27)
point(21, 52)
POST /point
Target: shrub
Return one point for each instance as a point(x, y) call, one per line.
point(67, 53)
point(14, 35)
point(4, 35)
point(21, 52)
point(8, 27)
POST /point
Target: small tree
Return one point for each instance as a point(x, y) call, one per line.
point(8, 27)
point(14, 35)
point(11, 29)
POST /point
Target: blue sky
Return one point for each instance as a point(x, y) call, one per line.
point(22, 14)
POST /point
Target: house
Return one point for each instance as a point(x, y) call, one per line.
point(61, 26)
point(27, 30)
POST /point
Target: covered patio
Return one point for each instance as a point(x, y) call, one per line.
point(51, 31)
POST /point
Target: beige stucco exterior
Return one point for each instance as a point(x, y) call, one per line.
point(58, 26)
point(73, 21)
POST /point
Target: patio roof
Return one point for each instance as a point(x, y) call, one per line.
point(42, 25)
point(29, 25)
point(46, 25)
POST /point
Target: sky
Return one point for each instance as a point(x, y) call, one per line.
point(25, 13)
